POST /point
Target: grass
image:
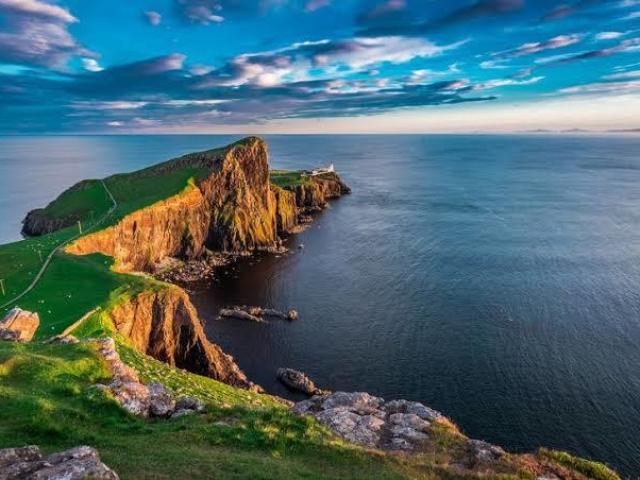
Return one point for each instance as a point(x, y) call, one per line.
point(85, 200)
point(137, 190)
point(594, 470)
point(288, 178)
point(72, 286)
point(47, 398)
point(21, 261)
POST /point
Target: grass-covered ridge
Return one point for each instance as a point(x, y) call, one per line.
point(288, 178)
point(47, 397)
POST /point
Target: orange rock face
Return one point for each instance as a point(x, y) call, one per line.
point(233, 209)
point(165, 325)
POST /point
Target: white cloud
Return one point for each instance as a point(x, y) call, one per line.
point(91, 65)
point(506, 82)
point(609, 35)
point(37, 8)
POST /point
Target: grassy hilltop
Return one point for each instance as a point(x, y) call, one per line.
point(48, 395)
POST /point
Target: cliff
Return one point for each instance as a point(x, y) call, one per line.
point(232, 208)
point(220, 200)
point(164, 324)
point(313, 194)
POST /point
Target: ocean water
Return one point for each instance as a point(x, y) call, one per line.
point(495, 278)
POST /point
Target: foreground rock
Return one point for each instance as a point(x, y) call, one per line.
point(137, 398)
point(370, 421)
point(28, 463)
point(19, 325)
point(296, 380)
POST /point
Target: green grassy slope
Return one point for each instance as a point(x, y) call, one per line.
point(288, 178)
point(47, 398)
point(86, 200)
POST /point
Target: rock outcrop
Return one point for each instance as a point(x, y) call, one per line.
point(370, 421)
point(137, 398)
point(28, 463)
point(296, 380)
point(314, 194)
point(164, 324)
point(234, 208)
point(19, 325)
point(413, 428)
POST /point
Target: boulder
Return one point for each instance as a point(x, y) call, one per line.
point(190, 403)
point(77, 463)
point(298, 381)
point(161, 403)
point(19, 325)
point(132, 396)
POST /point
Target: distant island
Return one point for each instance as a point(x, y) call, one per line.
point(103, 356)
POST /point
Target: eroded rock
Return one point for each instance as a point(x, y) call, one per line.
point(77, 463)
point(137, 398)
point(296, 380)
point(367, 420)
point(161, 402)
point(19, 325)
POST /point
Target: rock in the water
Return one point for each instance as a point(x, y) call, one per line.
point(161, 402)
point(239, 314)
point(292, 314)
point(78, 463)
point(19, 325)
point(298, 381)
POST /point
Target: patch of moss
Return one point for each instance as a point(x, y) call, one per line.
point(594, 470)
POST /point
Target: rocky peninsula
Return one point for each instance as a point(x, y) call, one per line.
point(139, 345)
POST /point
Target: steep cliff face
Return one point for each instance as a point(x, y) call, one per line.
point(164, 324)
point(234, 208)
point(36, 223)
point(177, 226)
point(286, 209)
point(238, 195)
point(320, 188)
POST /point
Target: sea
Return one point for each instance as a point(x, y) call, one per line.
point(495, 278)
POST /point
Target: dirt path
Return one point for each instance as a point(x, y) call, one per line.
point(57, 249)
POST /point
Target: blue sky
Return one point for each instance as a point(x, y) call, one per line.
point(260, 66)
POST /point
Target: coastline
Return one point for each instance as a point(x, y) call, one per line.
point(132, 260)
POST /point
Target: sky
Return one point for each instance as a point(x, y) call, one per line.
point(318, 66)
